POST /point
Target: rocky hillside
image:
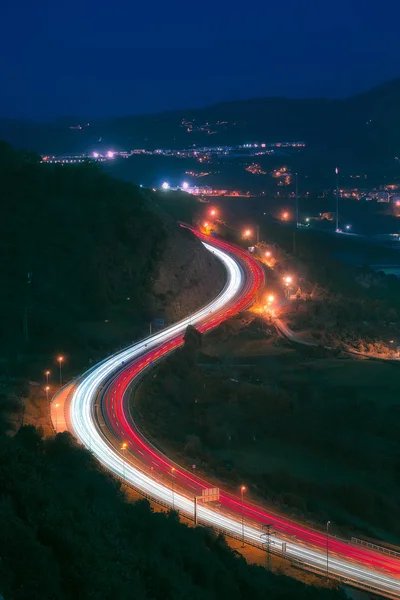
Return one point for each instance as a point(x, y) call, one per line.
point(187, 276)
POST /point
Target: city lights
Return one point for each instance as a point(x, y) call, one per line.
point(95, 155)
point(110, 154)
point(185, 185)
point(165, 185)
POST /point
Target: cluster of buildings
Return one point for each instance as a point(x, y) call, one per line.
point(201, 153)
point(389, 193)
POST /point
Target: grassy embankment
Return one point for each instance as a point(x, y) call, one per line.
point(317, 438)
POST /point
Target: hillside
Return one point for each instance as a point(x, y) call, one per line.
point(67, 532)
point(90, 260)
point(364, 126)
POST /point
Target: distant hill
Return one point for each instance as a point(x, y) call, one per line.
point(366, 125)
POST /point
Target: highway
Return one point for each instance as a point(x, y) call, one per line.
point(97, 413)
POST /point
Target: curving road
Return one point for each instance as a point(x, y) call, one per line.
point(96, 411)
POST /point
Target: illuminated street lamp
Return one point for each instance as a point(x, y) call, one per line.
point(268, 254)
point(47, 374)
point(185, 185)
point(285, 216)
point(165, 185)
point(60, 361)
point(213, 212)
point(46, 389)
point(247, 233)
point(123, 448)
point(242, 491)
point(288, 280)
point(206, 225)
point(270, 299)
point(172, 487)
point(348, 227)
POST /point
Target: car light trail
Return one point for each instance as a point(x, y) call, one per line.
point(244, 281)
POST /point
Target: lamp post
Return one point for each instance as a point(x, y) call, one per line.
point(172, 487)
point(288, 280)
point(123, 448)
point(60, 361)
point(56, 407)
point(242, 491)
point(47, 392)
point(337, 198)
point(327, 548)
point(47, 373)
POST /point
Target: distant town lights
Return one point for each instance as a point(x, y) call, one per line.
point(165, 185)
point(185, 185)
point(95, 155)
point(110, 154)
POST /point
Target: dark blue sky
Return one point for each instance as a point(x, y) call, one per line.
point(124, 56)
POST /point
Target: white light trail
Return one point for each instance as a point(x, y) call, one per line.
point(84, 427)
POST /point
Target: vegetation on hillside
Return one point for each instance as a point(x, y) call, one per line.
point(67, 532)
point(77, 245)
point(318, 438)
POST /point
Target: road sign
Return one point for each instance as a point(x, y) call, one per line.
point(210, 495)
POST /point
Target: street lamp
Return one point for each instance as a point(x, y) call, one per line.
point(213, 212)
point(242, 491)
point(56, 407)
point(337, 198)
point(270, 299)
point(268, 254)
point(172, 487)
point(327, 548)
point(288, 280)
point(123, 448)
point(47, 392)
point(47, 373)
point(247, 233)
point(60, 360)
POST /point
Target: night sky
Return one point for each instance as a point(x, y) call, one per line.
point(123, 57)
